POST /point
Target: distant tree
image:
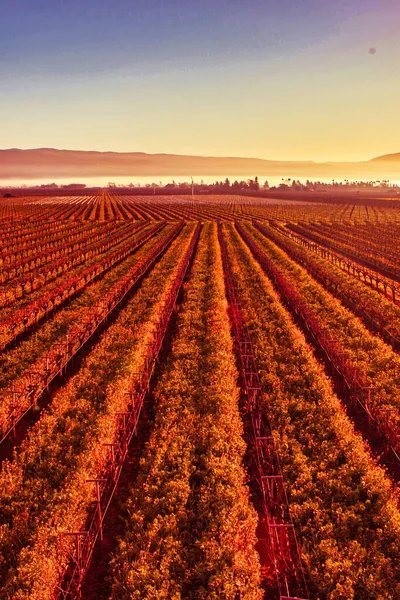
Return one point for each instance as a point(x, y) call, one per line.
point(75, 186)
point(253, 184)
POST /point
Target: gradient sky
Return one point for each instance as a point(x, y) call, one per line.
point(279, 79)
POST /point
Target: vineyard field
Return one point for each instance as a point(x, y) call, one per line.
point(199, 398)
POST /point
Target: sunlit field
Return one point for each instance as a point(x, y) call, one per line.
point(199, 397)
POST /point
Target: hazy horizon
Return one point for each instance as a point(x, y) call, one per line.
point(43, 165)
point(142, 181)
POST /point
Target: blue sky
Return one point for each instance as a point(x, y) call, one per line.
point(274, 79)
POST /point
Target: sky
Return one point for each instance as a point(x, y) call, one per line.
point(278, 79)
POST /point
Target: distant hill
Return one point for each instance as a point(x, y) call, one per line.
point(49, 163)
point(389, 158)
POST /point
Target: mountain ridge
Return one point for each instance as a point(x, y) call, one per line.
point(34, 163)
